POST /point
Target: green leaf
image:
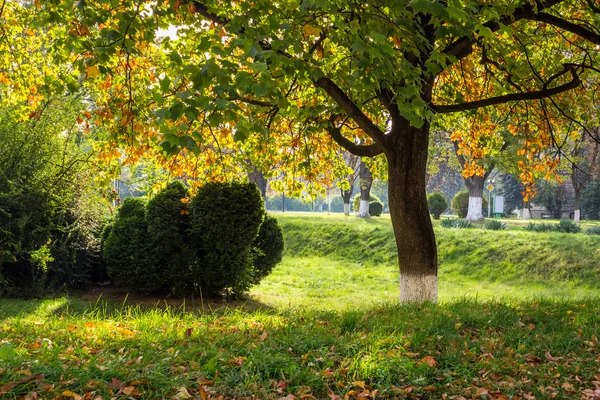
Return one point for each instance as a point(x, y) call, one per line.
point(176, 111)
point(165, 84)
point(241, 133)
point(176, 57)
point(190, 144)
point(162, 114)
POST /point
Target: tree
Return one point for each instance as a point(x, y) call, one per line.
point(305, 73)
point(365, 183)
point(347, 188)
point(584, 165)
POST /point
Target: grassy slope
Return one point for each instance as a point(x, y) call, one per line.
point(67, 348)
point(343, 262)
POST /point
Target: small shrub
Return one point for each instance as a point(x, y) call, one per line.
point(464, 224)
point(375, 208)
point(460, 204)
point(356, 201)
point(225, 220)
point(541, 227)
point(594, 230)
point(127, 250)
point(437, 204)
point(567, 226)
point(494, 225)
point(456, 223)
point(167, 216)
point(448, 223)
point(268, 248)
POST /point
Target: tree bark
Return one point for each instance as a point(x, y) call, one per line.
point(475, 186)
point(366, 181)
point(259, 179)
point(417, 253)
point(577, 213)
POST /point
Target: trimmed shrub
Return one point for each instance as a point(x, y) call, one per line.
point(594, 230)
point(375, 208)
point(127, 250)
point(494, 225)
point(167, 216)
point(225, 220)
point(267, 248)
point(437, 204)
point(460, 204)
point(356, 201)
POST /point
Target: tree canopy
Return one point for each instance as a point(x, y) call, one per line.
point(202, 85)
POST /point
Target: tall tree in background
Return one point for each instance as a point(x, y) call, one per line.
point(300, 70)
point(347, 188)
point(365, 183)
point(584, 165)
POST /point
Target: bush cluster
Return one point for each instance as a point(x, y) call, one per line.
point(219, 243)
point(437, 203)
point(494, 225)
point(460, 204)
point(375, 205)
point(456, 223)
point(564, 226)
point(50, 217)
point(594, 230)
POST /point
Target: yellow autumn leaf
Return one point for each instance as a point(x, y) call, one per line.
point(92, 71)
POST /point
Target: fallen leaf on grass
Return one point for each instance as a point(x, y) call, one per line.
point(429, 360)
point(73, 395)
point(182, 394)
point(549, 356)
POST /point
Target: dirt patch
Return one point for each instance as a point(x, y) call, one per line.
point(125, 296)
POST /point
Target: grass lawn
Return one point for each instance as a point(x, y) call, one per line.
point(519, 318)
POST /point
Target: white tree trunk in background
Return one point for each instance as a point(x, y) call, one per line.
point(475, 209)
point(363, 210)
point(418, 288)
point(577, 216)
point(347, 208)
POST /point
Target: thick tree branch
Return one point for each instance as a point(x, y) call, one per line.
point(533, 95)
point(567, 26)
point(335, 132)
point(350, 108)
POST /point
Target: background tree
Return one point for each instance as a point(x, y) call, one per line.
point(388, 68)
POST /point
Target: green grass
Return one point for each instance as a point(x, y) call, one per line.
point(341, 263)
point(519, 316)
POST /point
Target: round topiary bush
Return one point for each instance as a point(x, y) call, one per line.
point(375, 208)
point(268, 248)
point(225, 220)
point(437, 204)
point(460, 204)
point(127, 250)
point(356, 201)
point(167, 216)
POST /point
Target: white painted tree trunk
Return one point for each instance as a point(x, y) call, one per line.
point(577, 216)
point(526, 213)
point(475, 209)
point(418, 288)
point(347, 208)
point(363, 210)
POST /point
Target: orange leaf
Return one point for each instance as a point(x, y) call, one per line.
point(429, 360)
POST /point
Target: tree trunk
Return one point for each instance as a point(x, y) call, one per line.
point(475, 186)
point(347, 196)
point(577, 213)
point(417, 253)
point(259, 179)
point(366, 180)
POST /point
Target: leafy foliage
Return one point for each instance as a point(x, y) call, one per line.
point(590, 200)
point(494, 225)
point(553, 197)
point(375, 208)
point(568, 226)
point(225, 220)
point(540, 227)
point(594, 230)
point(267, 248)
point(456, 223)
point(50, 216)
point(167, 217)
point(437, 204)
point(128, 249)
point(460, 204)
point(356, 201)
